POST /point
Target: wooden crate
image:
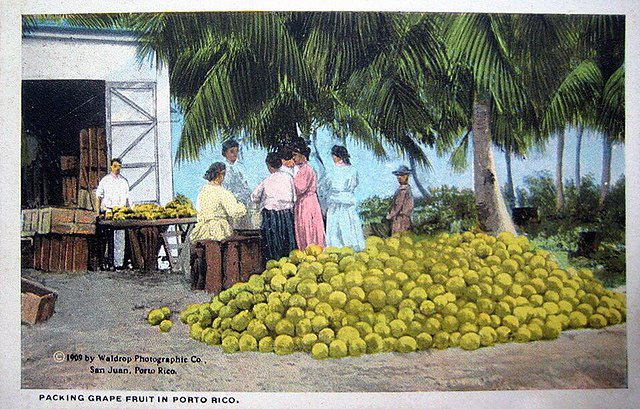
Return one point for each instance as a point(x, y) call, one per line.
point(62, 220)
point(93, 157)
point(70, 191)
point(26, 252)
point(58, 252)
point(68, 163)
point(37, 301)
point(227, 262)
point(30, 222)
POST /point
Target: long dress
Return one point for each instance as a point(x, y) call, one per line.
point(307, 215)
point(216, 206)
point(344, 227)
point(400, 211)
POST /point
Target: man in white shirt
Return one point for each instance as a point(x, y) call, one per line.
point(113, 190)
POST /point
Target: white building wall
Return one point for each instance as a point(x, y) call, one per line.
point(52, 53)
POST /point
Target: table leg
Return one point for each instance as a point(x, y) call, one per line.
point(137, 258)
point(110, 249)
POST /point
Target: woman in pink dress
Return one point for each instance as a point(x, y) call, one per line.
point(307, 214)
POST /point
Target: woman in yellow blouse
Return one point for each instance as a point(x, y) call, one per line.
point(216, 206)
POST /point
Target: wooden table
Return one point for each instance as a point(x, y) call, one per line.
point(144, 239)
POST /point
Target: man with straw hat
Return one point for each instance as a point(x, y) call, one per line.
point(402, 204)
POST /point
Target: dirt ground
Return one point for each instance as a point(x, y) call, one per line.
point(102, 314)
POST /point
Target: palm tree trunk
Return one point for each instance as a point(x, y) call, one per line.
point(606, 168)
point(559, 184)
point(414, 173)
point(493, 217)
point(510, 193)
point(578, 148)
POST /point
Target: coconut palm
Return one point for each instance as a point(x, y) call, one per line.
point(579, 134)
point(591, 93)
point(267, 75)
point(510, 60)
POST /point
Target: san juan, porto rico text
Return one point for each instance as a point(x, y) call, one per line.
point(120, 364)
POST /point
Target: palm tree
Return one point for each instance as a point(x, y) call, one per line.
point(591, 93)
point(510, 65)
point(579, 133)
point(269, 74)
point(559, 162)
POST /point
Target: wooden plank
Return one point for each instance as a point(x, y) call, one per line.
point(137, 257)
point(73, 189)
point(244, 257)
point(81, 253)
point(62, 215)
point(29, 222)
point(143, 223)
point(37, 252)
point(44, 220)
point(231, 264)
point(84, 148)
point(150, 240)
point(46, 253)
point(213, 257)
point(103, 158)
point(54, 253)
point(70, 190)
point(68, 163)
point(68, 252)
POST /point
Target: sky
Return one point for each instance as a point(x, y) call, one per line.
point(376, 178)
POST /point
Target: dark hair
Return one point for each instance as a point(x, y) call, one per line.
point(300, 146)
point(214, 171)
point(228, 144)
point(273, 160)
point(341, 152)
point(115, 160)
point(285, 152)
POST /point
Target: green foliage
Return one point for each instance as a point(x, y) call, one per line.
point(447, 208)
point(374, 209)
point(561, 231)
point(540, 192)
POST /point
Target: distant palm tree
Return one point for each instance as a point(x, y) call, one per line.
point(591, 93)
point(512, 61)
point(579, 134)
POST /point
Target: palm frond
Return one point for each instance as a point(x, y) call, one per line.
point(578, 92)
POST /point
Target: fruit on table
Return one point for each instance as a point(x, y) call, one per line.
point(151, 211)
point(404, 294)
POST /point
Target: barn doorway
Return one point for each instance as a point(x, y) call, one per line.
point(53, 114)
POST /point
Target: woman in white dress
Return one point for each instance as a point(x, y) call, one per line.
point(344, 227)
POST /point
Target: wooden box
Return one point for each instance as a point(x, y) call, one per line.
point(229, 261)
point(37, 301)
point(26, 252)
point(68, 163)
point(30, 222)
point(58, 220)
point(56, 252)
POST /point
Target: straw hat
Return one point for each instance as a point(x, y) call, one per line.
point(402, 171)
